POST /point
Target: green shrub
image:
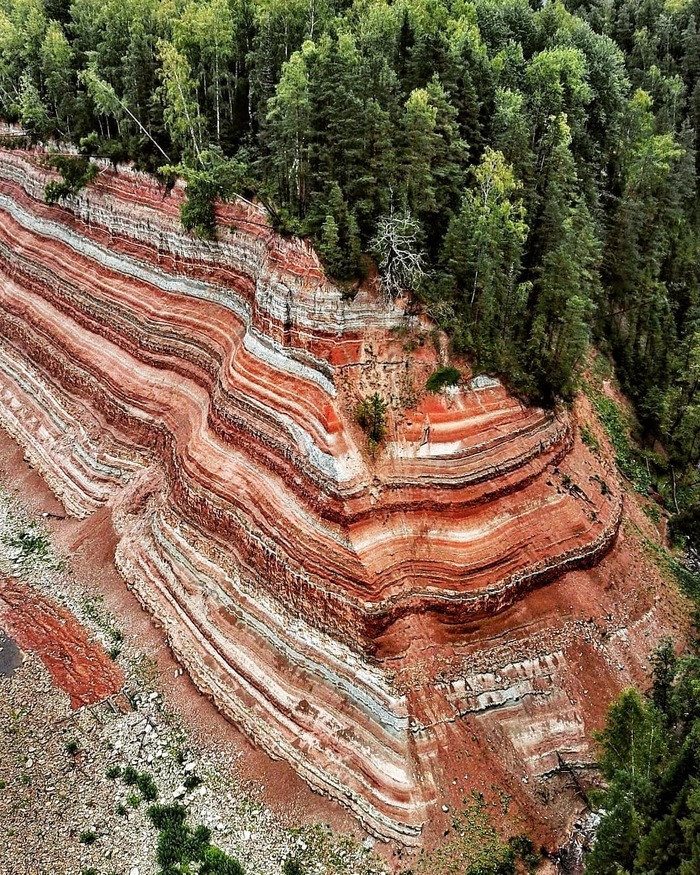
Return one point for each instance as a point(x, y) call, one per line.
point(179, 845)
point(72, 746)
point(87, 837)
point(113, 772)
point(76, 173)
point(292, 866)
point(371, 417)
point(445, 376)
point(130, 776)
point(191, 781)
point(147, 786)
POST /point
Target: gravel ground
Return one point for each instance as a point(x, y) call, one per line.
point(54, 761)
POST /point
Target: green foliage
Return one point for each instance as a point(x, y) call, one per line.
point(147, 787)
point(444, 376)
point(617, 429)
point(214, 177)
point(180, 846)
point(113, 772)
point(72, 746)
point(31, 544)
point(192, 781)
point(371, 417)
point(87, 837)
point(475, 847)
point(689, 581)
point(130, 776)
point(588, 438)
point(76, 173)
point(650, 757)
point(292, 866)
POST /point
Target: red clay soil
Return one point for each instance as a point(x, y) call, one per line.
point(79, 666)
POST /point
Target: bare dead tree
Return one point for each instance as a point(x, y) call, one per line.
point(400, 260)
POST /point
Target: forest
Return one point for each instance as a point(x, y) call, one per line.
point(651, 760)
point(528, 172)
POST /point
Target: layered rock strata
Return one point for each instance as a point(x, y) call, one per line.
point(205, 392)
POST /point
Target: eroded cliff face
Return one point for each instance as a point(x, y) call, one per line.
point(380, 623)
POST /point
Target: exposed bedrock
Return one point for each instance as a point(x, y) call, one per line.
point(205, 393)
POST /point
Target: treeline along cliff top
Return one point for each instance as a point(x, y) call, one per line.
point(527, 170)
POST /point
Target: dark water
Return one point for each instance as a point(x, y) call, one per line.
point(10, 655)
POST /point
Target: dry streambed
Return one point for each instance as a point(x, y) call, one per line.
point(63, 808)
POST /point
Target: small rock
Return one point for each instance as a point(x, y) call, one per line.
point(445, 808)
point(179, 792)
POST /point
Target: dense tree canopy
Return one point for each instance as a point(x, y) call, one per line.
point(650, 755)
point(543, 155)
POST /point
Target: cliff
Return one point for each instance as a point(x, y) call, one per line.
point(331, 602)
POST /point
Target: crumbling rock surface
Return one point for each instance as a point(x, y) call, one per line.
point(327, 599)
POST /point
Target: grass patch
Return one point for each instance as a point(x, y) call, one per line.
point(589, 439)
point(147, 787)
point(130, 776)
point(87, 837)
point(653, 512)
point(617, 428)
point(31, 544)
point(687, 580)
point(192, 781)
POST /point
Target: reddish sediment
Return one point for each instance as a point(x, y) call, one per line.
point(79, 666)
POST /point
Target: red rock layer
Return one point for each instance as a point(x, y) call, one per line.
point(78, 666)
point(205, 392)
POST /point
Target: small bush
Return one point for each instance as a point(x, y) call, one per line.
point(179, 845)
point(371, 417)
point(76, 173)
point(133, 800)
point(446, 376)
point(130, 776)
point(192, 781)
point(292, 866)
point(72, 747)
point(113, 772)
point(165, 816)
point(147, 786)
point(87, 837)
